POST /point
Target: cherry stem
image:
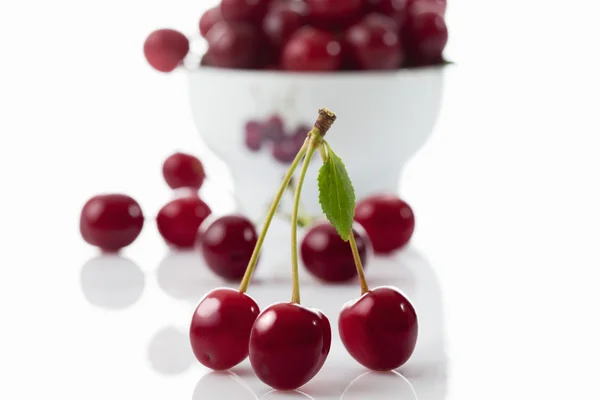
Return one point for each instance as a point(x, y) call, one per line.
point(261, 238)
point(357, 261)
point(313, 144)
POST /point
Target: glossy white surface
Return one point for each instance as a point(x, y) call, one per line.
point(505, 192)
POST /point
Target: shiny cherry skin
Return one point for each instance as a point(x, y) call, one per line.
point(209, 19)
point(220, 328)
point(182, 170)
point(388, 220)
point(282, 20)
point(374, 43)
point(178, 221)
point(289, 344)
point(244, 10)
point(425, 37)
point(111, 221)
point(420, 6)
point(165, 49)
point(327, 257)
point(227, 245)
point(333, 13)
point(395, 9)
point(311, 49)
point(233, 45)
point(379, 329)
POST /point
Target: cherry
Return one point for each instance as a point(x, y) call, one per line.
point(233, 45)
point(311, 49)
point(327, 256)
point(220, 328)
point(395, 9)
point(388, 221)
point(178, 221)
point(182, 170)
point(425, 37)
point(285, 150)
point(419, 6)
point(282, 20)
point(273, 128)
point(253, 135)
point(165, 49)
point(379, 329)
point(111, 221)
point(289, 344)
point(374, 44)
point(336, 13)
point(209, 19)
point(227, 245)
point(244, 10)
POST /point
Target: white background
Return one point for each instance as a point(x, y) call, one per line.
point(506, 193)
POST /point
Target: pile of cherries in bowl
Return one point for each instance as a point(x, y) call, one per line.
point(383, 224)
point(311, 36)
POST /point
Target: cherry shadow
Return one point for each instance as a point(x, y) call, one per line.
point(169, 352)
point(221, 385)
point(112, 282)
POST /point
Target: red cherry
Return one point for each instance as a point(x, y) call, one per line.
point(285, 151)
point(209, 19)
point(227, 245)
point(289, 344)
point(233, 45)
point(310, 49)
point(374, 44)
point(327, 256)
point(336, 13)
point(244, 10)
point(111, 221)
point(178, 221)
point(220, 328)
point(273, 129)
point(425, 37)
point(379, 329)
point(253, 135)
point(388, 220)
point(165, 49)
point(182, 170)
point(420, 6)
point(395, 9)
point(282, 20)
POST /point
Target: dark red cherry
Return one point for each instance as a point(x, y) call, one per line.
point(420, 6)
point(333, 13)
point(326, 256)
point(233, 45)
point(289, 344)
point(253, 134)
point(111, 221)
point(182, 170)
point(395, 9)
point(244, 10)
point(220, 328)
point(374, 43)
point(379, 329)
point(209, 18)
point(425, 37)
point(311, 49)
point(285, 150)
point(388, 221)
point(165, 49)
point(227, 245)
point(178, 221)
point(273, 129)
point(282, 20)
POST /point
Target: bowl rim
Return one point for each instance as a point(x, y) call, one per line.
point(354, 75)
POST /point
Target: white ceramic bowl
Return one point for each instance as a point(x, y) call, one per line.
point(382, 120)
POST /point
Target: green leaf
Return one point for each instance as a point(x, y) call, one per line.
point(336, 194)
